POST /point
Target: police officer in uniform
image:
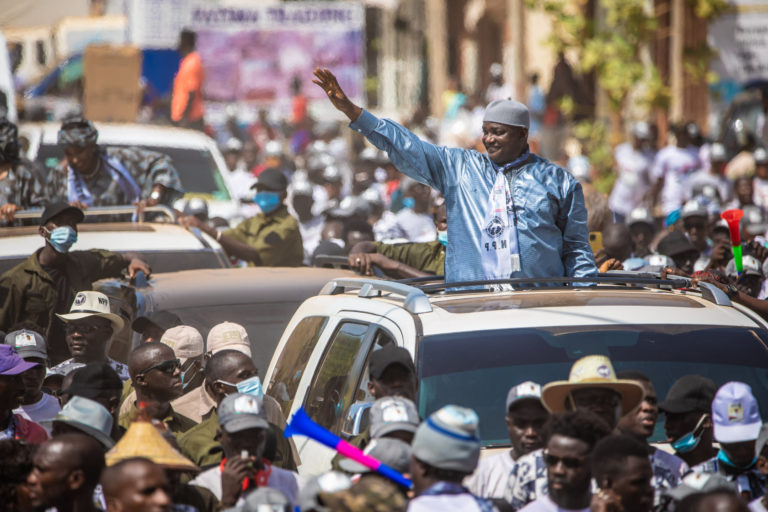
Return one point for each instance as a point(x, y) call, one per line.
point(270, 239)
point(21, 185)
point(46, 282)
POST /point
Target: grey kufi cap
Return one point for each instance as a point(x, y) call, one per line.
point(449, 439)
point(509, 112)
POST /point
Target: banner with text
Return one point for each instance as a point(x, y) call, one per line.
point(741, 41)
point(261, 53)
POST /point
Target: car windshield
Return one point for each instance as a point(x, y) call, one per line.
point(476, 369)
point(196, 167)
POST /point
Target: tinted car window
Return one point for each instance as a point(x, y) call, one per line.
point(335, 381)
point(293, 360)
point(480, 377)
point(196, 167)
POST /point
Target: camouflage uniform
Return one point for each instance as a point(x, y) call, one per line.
point(23, 186)
point(276, 237)
point(372, 493)
point(427, 257)
point(147, 168)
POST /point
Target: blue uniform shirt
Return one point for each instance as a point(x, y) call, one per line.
point(549, 210)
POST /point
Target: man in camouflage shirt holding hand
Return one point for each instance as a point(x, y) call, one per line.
point(21, 185)
point(94, 176)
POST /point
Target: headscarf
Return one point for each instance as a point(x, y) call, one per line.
point(77, 131)
point(9, 142)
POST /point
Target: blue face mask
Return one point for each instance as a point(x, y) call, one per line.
point(62, 238)
point(409, 202)
point(267, 201)
point(686, 444)
point(251, 387)
point(725, 459)
point(442, 237)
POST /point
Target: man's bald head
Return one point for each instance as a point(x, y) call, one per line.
point(147, 354)
point(230, 366)
point(135, 484)
point(617, 241)
point(67, 469)
point(156, 372)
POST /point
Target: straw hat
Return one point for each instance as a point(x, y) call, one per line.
point(591, 372)
point(142, 439)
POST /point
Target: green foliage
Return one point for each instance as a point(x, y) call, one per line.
point(710, 9)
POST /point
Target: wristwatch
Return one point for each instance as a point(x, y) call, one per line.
point(732, 292)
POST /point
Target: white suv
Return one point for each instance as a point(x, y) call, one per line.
point(471, 346)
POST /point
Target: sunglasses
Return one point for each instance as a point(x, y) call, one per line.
point(83, 328)
point(569, 462)
point(167, 367)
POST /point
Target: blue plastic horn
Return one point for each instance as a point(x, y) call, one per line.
point(301, 424)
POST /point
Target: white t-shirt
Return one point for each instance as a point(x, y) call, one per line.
point(44, 409)
point(491, 476)
point(444, 503)
point(633, 180)
point(760, 194)
point(284, 481)
point(310, 236)
point(757, 506)
point(675, 165)
point(545, 504)
point(416, 227)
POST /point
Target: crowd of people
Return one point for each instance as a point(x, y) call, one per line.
point(189, 427)
point(184, 423)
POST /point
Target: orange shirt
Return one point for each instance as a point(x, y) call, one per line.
point(188, 79)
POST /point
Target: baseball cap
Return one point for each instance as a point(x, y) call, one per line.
point(391, 414)
point(717, 152)
point(640, 215)
point(186, 341)
point(11, 362)
point(689, 393)
point(27, 343)
point(88, 416)
point(228, 335)
point(694, 208)
point(389, 354)
point(527, 390)
point(735, 414)
point(238, 412)
point(265, 499)
point(395, 453)
point(675, 243)
point(752, 267)
point(761, 156)
point(449, 439)
point(271, 179)
point(163, 320)
point(753, 222)
point(326, 483)
point(700, 483)
point(641, 130)
point(92, 380)
point(54, 209)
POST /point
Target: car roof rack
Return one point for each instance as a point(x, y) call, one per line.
point(415, 300)
point(624, 278)
point(36, 213)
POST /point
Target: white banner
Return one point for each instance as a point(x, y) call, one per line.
point(741, 40)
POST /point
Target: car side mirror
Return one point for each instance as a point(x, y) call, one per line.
point(357, 420)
